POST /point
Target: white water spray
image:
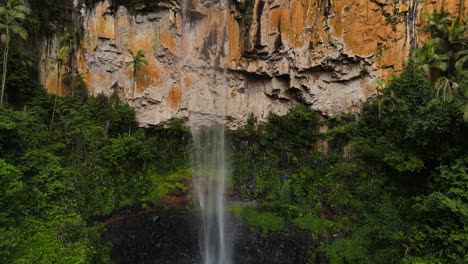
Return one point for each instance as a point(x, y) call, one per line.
point(209, 156)
point(210, 172)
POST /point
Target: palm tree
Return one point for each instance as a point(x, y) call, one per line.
point(12, 12)
point(436, 24)
point(445, 54)
point(429, 61)
point(138, 59)
point(451, 39)
point(59, 60)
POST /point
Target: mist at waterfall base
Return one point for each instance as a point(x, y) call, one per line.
point(209, 178)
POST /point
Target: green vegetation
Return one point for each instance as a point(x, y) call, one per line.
point(318, 226)
point(133, 6)
point(48, 17)
point(71, 79)
point(161, 186)
point(391, 188)
point(59, 61)
point(387, 187)
point(53, 184)
point(138, 59)
point(255, 219)
point(445, 54)
point(12, 13)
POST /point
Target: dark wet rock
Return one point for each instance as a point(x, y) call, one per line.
point(158, 237)
point(288, 246)
point(166, 237)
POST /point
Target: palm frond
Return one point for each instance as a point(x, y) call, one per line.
point(452, 31)
point(12, 12)
point(64, 51)
point(439, 65)
point(443, 87)
point(426, 69)
point(51, 62)
point(23, 9)
point(137, 59)
point(19, 30)
point(380, 107)
point(48, 60)
point(383, 103)
point(465, 113)
point(140, 53)
point(461, 59)
point(14, 16)
point(459, 65)
point(66, 36)
point(436, 22)
point(128, 64)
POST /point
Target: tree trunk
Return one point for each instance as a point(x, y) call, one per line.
point(451, 62)
point(73, 75)
point(134, 85)
point(130, 129)
point(133, 97)
point(106, 131)
point(56, 96)
point(5, 62)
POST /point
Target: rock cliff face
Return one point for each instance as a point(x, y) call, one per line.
point(227, 59)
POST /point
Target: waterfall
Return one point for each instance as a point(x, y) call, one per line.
point(209, 161)
point(209, 178)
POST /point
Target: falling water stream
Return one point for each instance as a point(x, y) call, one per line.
point(210, 167)
point(209, 179)
point(209, 159)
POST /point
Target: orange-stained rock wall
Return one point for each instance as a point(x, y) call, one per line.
point(253, 56)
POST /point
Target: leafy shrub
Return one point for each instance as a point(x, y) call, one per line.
point(318, 226)
point(265, 221)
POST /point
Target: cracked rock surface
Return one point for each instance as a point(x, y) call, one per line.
point(228, 59)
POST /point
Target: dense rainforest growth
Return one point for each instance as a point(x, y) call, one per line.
point(388, 186)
